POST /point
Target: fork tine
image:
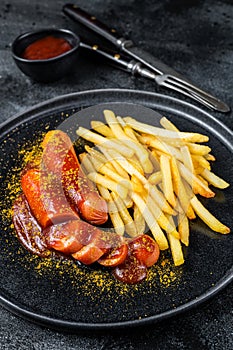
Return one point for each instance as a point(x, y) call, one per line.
point(190, 90)
point(185, 91)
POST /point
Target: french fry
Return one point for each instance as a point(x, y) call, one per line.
point(198, 169)
point(102, 128)
point(119, 169)
point(127, 129)
point(86, 162)
point(114, 124)
point(134, 161)
point(197, 185)
point(167, 124)
point(159, 198)
point(161, 146)
point(176, 250)
point(152, 224)
point(127, 165)
point(153, 141)
point(119, 133)
point(201, 161)
point(96, 162)
point(115, 217)
point(183, 228)
point(159, 216)
point(167, 180)
point(100, 140)
point(205, 182)
point(154, 159)
point(105, 170)
point(130, 226)
point(108, 183)
point(187, 159)
point(155, 178)
point(200, 150)
point(128, 202)
point(175, 246)
point(207, 217)
point(104, 192)
point(167, 134)
point(139, 220)
point(96, 154)
point(180, 190)
point(102, 165)
point(214, 180)
point(137, 186)
point(210, 157)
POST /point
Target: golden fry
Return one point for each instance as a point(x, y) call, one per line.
point(210, 157)
point(197, 149)
point(207, 217)
point(197, 185)
point(160, 199)
point(102, 128)
point(120, 135)
point(130, 226)
point(214, 180)
point(159, 216)
point(118, 168)
point(115, 217)
point(151, 222)
point(167, 180)
point(187, 159)
point(86, 162)
point(137, 186)
point(183, 228)
point(155, 178)
point(167, 124)
point(139, 220)
point(153, 130)
point(176, 250)
point(201, 161)
point(100, 140)
point(108, 183)
point(179, 188)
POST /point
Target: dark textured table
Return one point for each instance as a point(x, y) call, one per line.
point(193, 36)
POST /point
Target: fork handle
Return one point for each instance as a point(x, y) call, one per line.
point(91, 22)
point(118, 60)
point(114, 58)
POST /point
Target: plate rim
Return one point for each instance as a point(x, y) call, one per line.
point(110, 90)
point(56, 323)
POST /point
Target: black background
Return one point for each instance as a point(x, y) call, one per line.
point(195, 37)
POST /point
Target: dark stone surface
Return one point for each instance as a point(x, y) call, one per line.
point(193, 36)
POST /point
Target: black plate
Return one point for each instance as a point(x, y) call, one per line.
point(65, 296)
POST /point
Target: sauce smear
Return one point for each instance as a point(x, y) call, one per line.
point(45, 48)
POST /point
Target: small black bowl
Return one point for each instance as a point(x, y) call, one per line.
point(46, 70)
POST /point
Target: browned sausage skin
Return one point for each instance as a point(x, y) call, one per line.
point(27, 228)
point(59, 158)
point(46, 198)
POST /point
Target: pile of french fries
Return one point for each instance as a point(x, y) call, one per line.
point(150, 178)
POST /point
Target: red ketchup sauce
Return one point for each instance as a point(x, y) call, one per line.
point(45, 48)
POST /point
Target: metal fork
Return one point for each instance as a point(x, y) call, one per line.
point(166, 80)
point(192, 91)
point(180, 85)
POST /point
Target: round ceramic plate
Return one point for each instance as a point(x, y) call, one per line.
point(64, 295)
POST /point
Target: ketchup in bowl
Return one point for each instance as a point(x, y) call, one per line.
point(45, 48)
